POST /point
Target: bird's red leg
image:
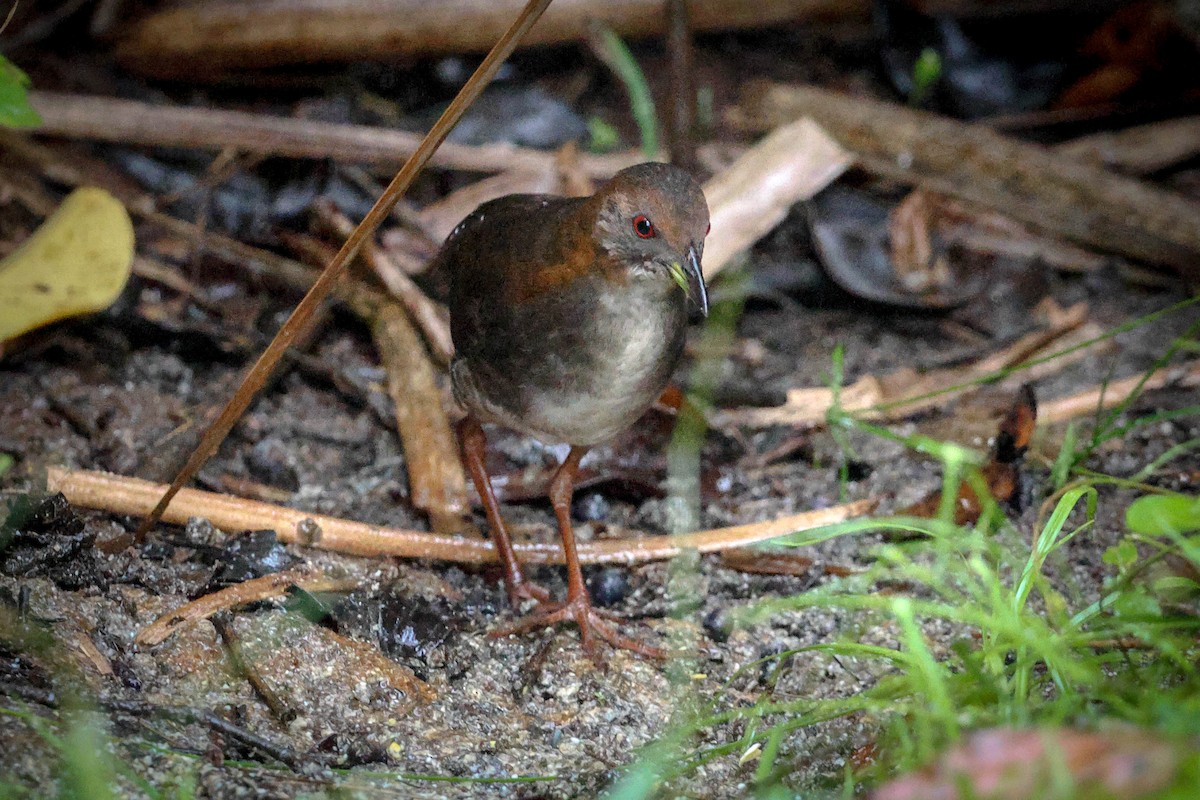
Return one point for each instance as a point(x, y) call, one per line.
point(474, 448)
point(578, 607)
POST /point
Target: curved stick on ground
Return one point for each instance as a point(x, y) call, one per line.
point(121, 495)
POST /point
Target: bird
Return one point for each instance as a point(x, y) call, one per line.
point(568, 317)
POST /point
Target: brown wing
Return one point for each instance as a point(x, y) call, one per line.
point(505, 254)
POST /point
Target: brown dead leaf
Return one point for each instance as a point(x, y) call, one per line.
point(1007, 764)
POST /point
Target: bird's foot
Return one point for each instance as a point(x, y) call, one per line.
point(592, 624)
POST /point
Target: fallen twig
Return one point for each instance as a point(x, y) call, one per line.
point(183, 714)
point(130, 122)
point(1049, 191)
point(237, 658)
point(1140, 150)
point(435, 473)
point(681, 108)
point(239, 594)
point(437, 483)
point(1108, 395)
point(122, 495)
point(903, 392)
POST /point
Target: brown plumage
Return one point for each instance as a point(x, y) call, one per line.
point(568, 317)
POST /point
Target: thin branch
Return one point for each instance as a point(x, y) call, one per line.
point(1052, 192)
point(1109, 395)
point(122, 495)
point(239, 594)
point(131, 122)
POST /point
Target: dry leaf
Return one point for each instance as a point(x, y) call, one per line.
point(77, 262)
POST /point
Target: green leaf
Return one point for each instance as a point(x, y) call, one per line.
point(1065, 460)
point(926, 72)
point(1163, 514)
point(15, 111)
point(602, 137)
point(1122, 556)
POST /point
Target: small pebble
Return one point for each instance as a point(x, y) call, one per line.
point(608, 586)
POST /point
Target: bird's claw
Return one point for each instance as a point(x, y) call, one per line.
point(592, 625)
point(523, 590)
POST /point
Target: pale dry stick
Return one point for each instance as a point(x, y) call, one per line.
point(1109, 395)
point(435, 473)
point(1139, 150)
point(239, 594)
point(122, 495)
point(258, 374)
point(436, 479)
point(903, 392)
point(131, 122)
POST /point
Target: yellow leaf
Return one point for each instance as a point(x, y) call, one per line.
point(75, 263)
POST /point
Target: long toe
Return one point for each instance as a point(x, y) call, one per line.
point(591, 625)
point(525, 590)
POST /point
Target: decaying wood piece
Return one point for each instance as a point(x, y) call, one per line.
point(1052, 193)
point(436, 481)
point(211, 38)
point(435, 472)
point(1139, 150)
point(122, 495)
point(753, 195)
point(108, 119)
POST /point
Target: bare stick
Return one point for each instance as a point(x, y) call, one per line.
point(681, 109)
point(132, 122)
point(258, 374)
point(242, 666)
point(1109, 395)
point(239, 594)
point(122, 495)
point(1139, 150)
point(903, 392)
point(435, 472)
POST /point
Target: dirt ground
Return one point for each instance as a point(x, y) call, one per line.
point(445, 699)
point(395, 687)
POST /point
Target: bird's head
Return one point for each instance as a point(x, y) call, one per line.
point(652, 219)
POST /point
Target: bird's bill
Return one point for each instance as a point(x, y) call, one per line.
point(690, 275)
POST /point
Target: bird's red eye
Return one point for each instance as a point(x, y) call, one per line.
point(643, 227)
